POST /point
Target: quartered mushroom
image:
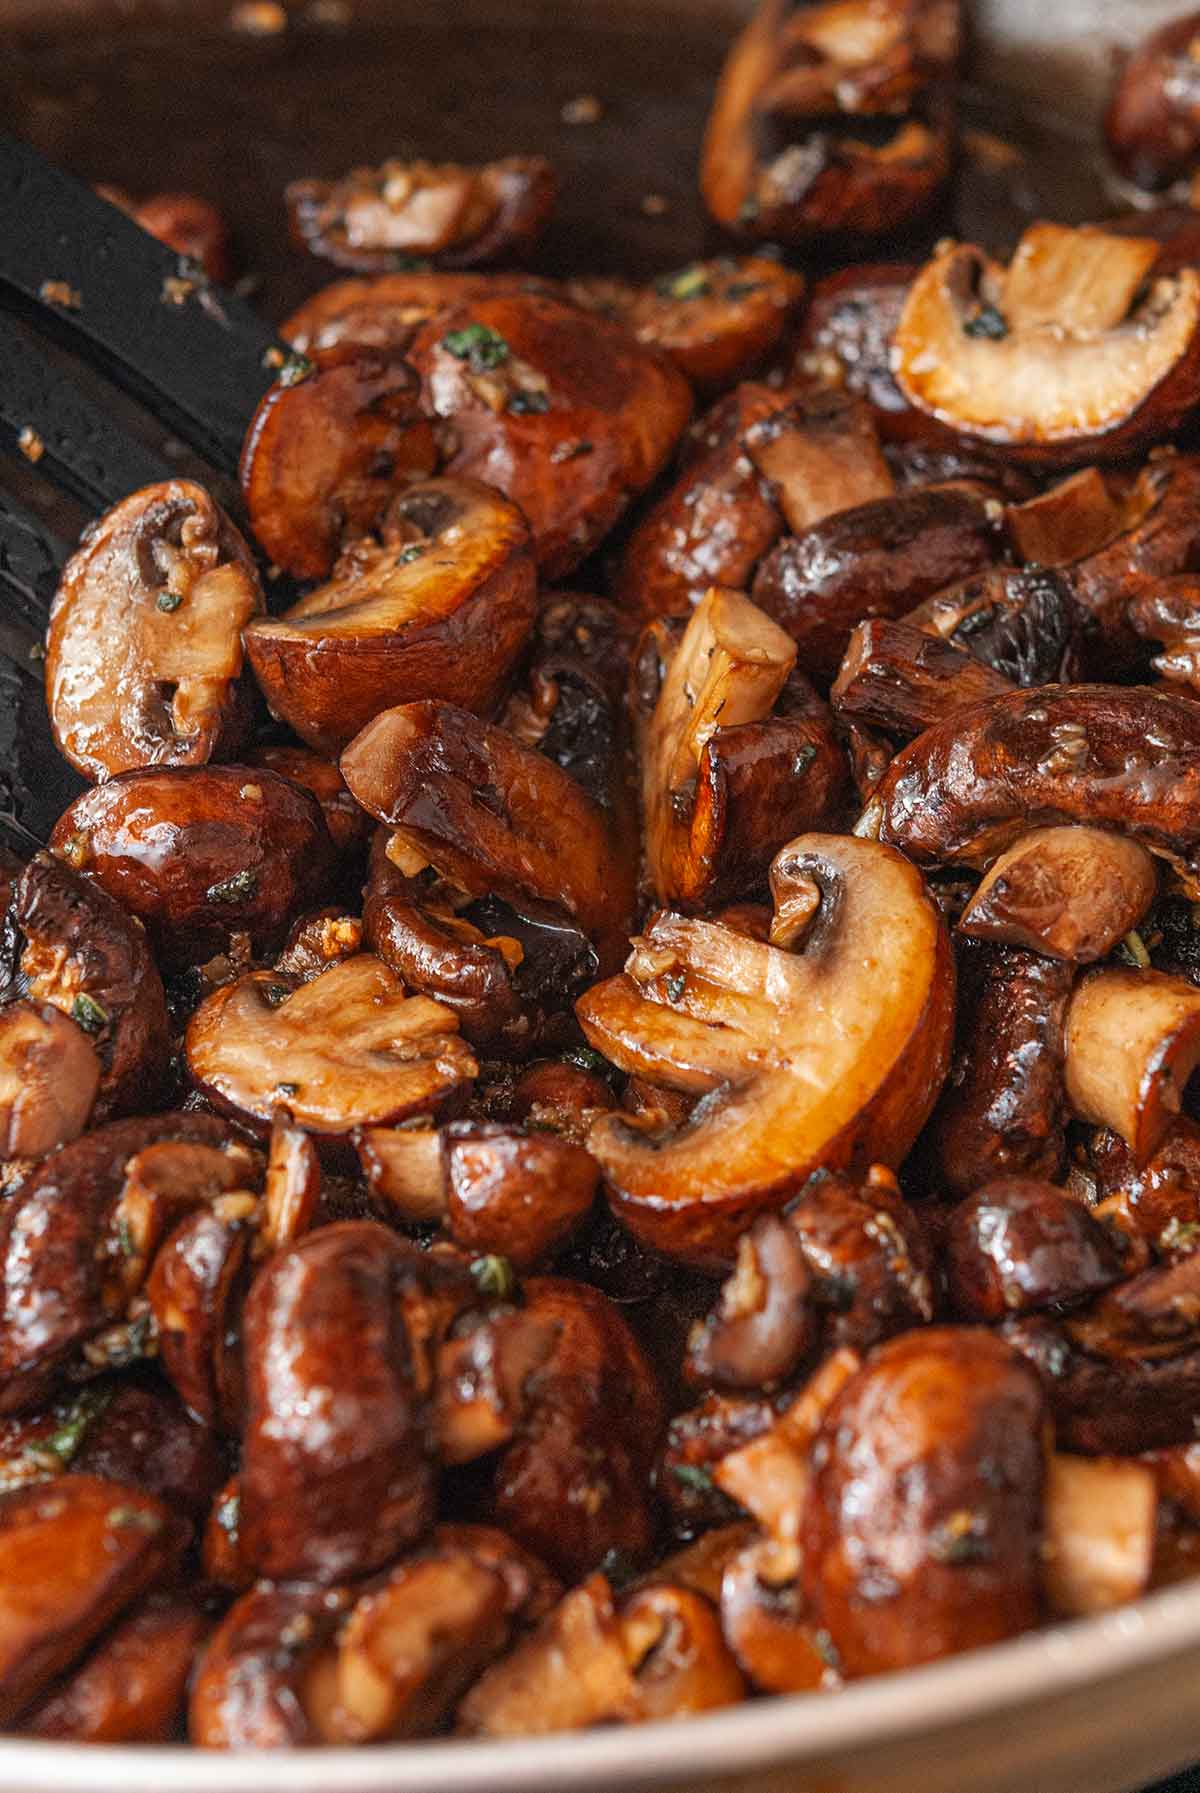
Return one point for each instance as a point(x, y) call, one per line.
point(439, 604)
point(144, 651)
point(826, 1048)
point(1071, 892)
point(49, 1076)
point(1022, 622)
point(1077, 349)
point(453, 215)
point(1152, 125)
point(902, 679)
point(1133, 1040)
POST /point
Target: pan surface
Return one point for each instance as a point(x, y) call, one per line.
point(175, 95)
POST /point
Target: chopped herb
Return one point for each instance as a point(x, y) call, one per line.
point(274, 994)
point(688, 283)
point(409, 264)
point(121, 1518)
point(1133, 950)
point(168, 600)
point(125, 1239)
point(749, 211)
point(63, 1443)
point(676, 985)
point(1179, 1235)
point(528, 404)
point(698, 1480)
point(962, 1538)
point(238, 889)
point(803, 760)
point(585, 1059)
point(88, 1013)
point(482, 348)
point(295, 370)
point(287, 1089)
point(989, 323)
point(408, 555)
point(494, 1276)
point(826, 1649)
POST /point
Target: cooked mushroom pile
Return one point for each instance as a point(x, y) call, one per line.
point(598, 1111)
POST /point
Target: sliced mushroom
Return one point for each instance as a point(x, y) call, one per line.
point(717, 320)
point(1076, 349)
point(562, 411)
point(1101, 1516)
point(765, 1322)
point(144, 651)
point(460, 217)
point(903, 679)
point(347, 1050)
point(492, 816)
point(563, 1096)
point(49, 1076)
point(200, 852)
point(440, 606)
point(1080, 516)
point(486, 1370)
point(1019, 1245)
point(326, 451)
point(703, 1009)
point(674, 1645)
point(1133, 1040)
point(133, 1686)
point(571, 1673)
point(966, 789)
point(1152, 125)
point(922, 1533)
point(1072, 893)
point(73, 1555)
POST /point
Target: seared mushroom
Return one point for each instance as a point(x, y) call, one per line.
point(1019, 1245)
point(922, 1531)
point(563, 411)
point(1098, 1549)
point(185, 222)
point(845, 340)
point(251, 1683)
point(1076, 349)
point(903, 679)
point(1133, 1040)
point(1152, 125)
point(1159, 543)
point(195, 1291)
point(198, 853)
point(348, 827)
point(373, 218)
point(1023, 622)
point(827, 1055)
point(347, 1050)
point(144, 650)
point(440, 606)
point(1081, 515)
point(326, 452)
point(49, 1076)
point(386, 312)
point(133, 1686)
point(1156, 1204)
point(1072, 893)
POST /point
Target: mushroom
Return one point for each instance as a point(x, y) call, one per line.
point(485, 1370)
point(921, 1533)
point(138, 1432)
point(1076, 350)
point(1081, 515)
point(292, 1188)
point(330, 444)
point(440, 605)
point(1133, 1040)
point(1160, 543)
point(460, 217)
point(902, 679)
point(348, 827)
point(826, 1048)
point(1023, 622)
point(845, 341)
point(347, 1050)
point(1019, 1245)
point(250, 1688)
point(144, 649)
point(492, 816)
point(561, 410)
point(194, 227)
point(765, 1322)
point(725, 780)
point(717, 320)
point(1003, 1111)
point(1156, 1204)
point(387, 310)
point(1101, 1515)
point(563, 1095)
point(195, 1290)
point(1169, 614)
point(966, 789)
point(73, 1555)
point(1152, 125)
point(1072, 893)
point(198, 853)
point(132, 1688)
point(877, 559)
point(49, 1076)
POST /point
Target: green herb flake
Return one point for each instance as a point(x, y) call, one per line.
point(62, 1445)
point(241, 888)
point(749, 211)
point(480, 347)
point(295, 370)
point(692, 1477)
point(287, 1089)
point(618, 1568)
point(125, 1239)
point(742, 289)
point(168, 601)
point(1133, 950)
point(88, 1014)
point(274, 994)
point(584, 1058)
point(688, 283)
point(1179, 1235)
point(961, 1538)
point(803, 760)
point(826, 1649)
point(528, 404)
point(988, 323)
point(407, 555)
point(675, 985)
point(494, 1277)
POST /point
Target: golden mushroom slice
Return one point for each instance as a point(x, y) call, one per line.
point(1075, 350)
point(1072, 893)
point(350, 1049)
point(826, 1047)
point(1133, 1040)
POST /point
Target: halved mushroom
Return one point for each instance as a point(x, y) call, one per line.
point(571, 1673)
point(1122, 758)
point(1018, 1245)
point(441, 605)
point(194, 227)
point(132, 1688)
point(83, 954)
point(195, 1292)
point(903, 679)
point(371, 219)
point(725, 780)
point(1133, 1040)
point(832, 1054)
point(1080, 516)
point(921, 1535)
point(1152, 125)
point(717, 320)
point(73, 1555)
point(486, 1370)
point(1023, 622)
point(386, 311)
point(144, 650)
point(492, 816)
point(561, 410)
point(49, 1076)
point(1098, 1550)
point(347, 1050)
point(197, 853)
point(326, 451)
point(1075, 350)
point(1072, 893)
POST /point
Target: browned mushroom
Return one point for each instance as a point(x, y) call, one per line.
point(440, 605)
point(49, 1076)
point(133, 1429)
point(250, 1684)
point(1100, 1521)
point(200, 852)
point(703, 1009)
point(195, 1291)
point(1108, 584)
point(192, 226)
point(561, 410)
point(1156, 1204)
point(1152, 125)
point(1076, 349)
point(1072, 893)
point(922, 1531)
point(717, 320)
point(1019, 1245)
point(372, 219)
point(327, 449)
point(349, 828)
point(347, 1050)
point(1023, 622)
point(696, 1442)
point(902, 679)
point(387, 310)
point(845, 340)
point(144, 650)
point(133, 1686)
point(1081, 515)
point(1133, 1040)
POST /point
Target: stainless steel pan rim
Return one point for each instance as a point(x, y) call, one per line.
point(1040, 1666)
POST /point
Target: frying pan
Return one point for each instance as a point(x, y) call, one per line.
point(172, 95)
